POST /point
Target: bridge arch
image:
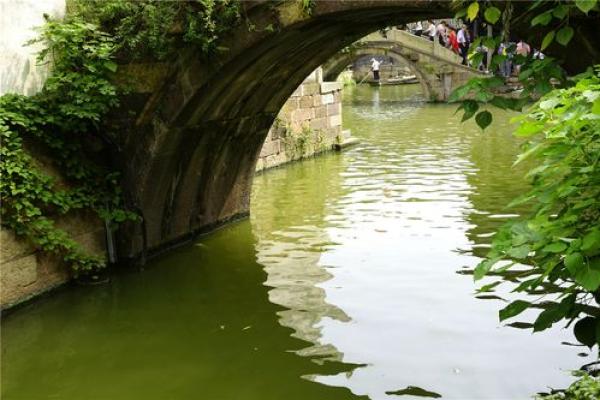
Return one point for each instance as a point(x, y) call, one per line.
point(192, 129)
point(336, 65)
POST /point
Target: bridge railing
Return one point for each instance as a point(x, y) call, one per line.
point(415, 43)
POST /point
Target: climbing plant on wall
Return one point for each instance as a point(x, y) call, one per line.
point(57, 122)
point(146, 28)
point(67, 116)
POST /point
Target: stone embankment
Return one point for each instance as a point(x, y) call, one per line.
point(26, 271)
point(309, 123)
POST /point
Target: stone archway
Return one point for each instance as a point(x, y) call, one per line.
point(338, 63)
point(189, 152)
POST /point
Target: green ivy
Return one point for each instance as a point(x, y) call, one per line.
point(148, 28)
point(77, 96)
point(57, 122)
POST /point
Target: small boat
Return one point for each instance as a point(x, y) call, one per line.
point(396, 81)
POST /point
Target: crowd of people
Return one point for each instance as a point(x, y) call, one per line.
point(455, 39)
point(459, 40)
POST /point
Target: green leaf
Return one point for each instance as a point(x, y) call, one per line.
point(596, 107)
point(513, 309)
point(588, 275)
point(470, 107)
point(492, 14)
point(585, 331)
point(484, 267)
point(459, 93)
point(111, 66)
point(542, 19)
point(560, 11)
point(549, 104)
point(556, 247)
point(483, 119)
point(460, 13)
point(564, 35)
point(585, 5)
point(554, 313)
point(519, 252)
point(591, 243)
point(473, 10)
point(547, 39)
point(574, 262)
point(546, 319)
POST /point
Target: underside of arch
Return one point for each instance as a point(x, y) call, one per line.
point(189, 154)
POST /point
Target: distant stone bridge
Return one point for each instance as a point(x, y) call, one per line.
point(438, 69)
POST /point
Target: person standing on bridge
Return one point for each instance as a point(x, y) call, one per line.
point(441, 33)
point(418, 28)
point(375, 68)
point(463, 43)
point(452, 40)
point(430, 30)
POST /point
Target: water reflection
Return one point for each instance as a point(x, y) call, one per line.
point(400, 214)
point(342, 285)
point(196, 324)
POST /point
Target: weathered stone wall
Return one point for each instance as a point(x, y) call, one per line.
point(25, 271)
point(310, 122)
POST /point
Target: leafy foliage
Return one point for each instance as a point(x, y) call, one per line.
point(560, 240)
point(538, 76)
point(585, 388)
point(59, 119)
point(68, 112)
point(147, 28)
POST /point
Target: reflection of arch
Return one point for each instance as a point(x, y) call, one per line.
point(339, 62)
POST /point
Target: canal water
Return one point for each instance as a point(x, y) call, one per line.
point(345, 283)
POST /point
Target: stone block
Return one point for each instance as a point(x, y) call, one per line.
point(334, 120)
point(334, 109)
point(302, 114)
point(12, 247)
point(328, 87)
point(306, 101)
point(18, 273)
point(318, 123)
point(327, 98)
point(321, 111)
point(316, 100)
point(310, 88)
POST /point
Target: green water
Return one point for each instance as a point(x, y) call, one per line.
point(342, 284)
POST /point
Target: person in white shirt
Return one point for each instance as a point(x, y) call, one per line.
point(463, 43)
point(418, 28)
point(375, 68)
point(430, 30)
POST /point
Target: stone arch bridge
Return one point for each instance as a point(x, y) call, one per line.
point(191, 129)
point(438, 69)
